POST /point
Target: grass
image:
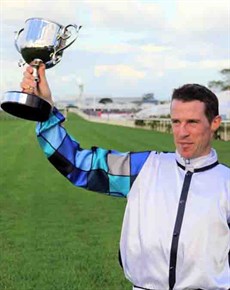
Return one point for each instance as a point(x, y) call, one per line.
point(54, 236)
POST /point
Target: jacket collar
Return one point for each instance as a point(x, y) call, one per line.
point(198, 164)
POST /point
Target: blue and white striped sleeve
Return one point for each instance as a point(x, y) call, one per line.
point(101, 170)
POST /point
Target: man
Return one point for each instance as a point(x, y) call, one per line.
point(175, 233)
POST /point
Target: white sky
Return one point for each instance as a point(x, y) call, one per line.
point(125, 48)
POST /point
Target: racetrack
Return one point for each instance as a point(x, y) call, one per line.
point(54, 236)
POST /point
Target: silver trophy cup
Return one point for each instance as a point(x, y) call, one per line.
point(40, 41)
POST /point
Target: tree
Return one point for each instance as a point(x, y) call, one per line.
point(222, 85)
point(105, 101)
point(148, 98)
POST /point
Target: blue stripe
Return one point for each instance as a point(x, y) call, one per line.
point(46, 147)
point(83, 159)
point(137, 160)
point(118, 184)
point(54, 136)
point(100, 159)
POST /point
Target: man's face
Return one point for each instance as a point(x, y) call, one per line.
point(191, 128)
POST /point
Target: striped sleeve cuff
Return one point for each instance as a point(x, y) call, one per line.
point(55, 118)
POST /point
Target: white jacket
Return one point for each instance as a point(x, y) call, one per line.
point(174, 238)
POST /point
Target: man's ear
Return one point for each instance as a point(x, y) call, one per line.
point(216, 123)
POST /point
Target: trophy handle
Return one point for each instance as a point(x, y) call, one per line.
point(56, 57)
point(16, 39)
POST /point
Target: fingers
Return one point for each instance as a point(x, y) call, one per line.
point(29, 90)
point(41, 70)
point(28, 86)
point(28, 83)
point(39, 88)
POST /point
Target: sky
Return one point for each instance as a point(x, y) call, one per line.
point(125, 48)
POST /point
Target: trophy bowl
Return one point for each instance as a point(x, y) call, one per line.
point(41, 40)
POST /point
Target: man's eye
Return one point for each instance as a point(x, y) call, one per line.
point(175, 121)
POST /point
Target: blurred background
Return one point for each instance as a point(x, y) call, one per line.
point(125, 48)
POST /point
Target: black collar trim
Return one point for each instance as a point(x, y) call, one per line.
point(199, 169)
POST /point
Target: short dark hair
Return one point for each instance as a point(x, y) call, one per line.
point(192, 92)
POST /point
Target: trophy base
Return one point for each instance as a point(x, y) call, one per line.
point(26, 106)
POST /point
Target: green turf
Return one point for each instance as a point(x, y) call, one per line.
point(52, 234)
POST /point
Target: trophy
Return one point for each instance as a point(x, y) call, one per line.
point(40, 41)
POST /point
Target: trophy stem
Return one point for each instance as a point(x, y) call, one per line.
point(35, 64)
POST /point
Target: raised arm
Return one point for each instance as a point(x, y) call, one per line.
point(97, 169)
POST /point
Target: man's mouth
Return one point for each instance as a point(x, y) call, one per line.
point(185, 144)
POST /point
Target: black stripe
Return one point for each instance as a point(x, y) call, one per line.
point(119, 258)
point(138, 287)
point(206, 167)
point(63, 165)
point(177, 229)
point(200, 169)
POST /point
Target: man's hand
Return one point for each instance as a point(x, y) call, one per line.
point(41, 88)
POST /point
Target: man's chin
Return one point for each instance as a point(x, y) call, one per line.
point(185, 155)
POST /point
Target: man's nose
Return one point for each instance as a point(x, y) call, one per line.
point(183, 131)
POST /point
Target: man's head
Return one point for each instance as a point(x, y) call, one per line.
point(195, 118)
